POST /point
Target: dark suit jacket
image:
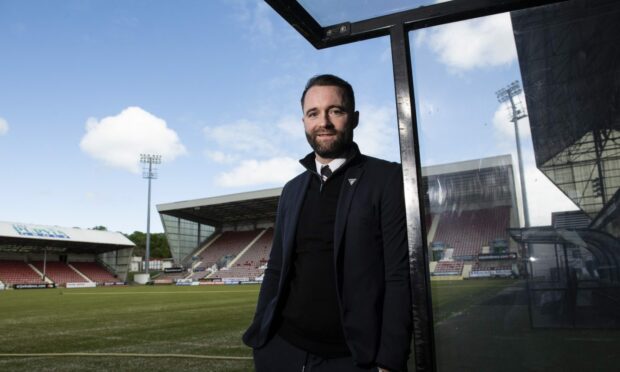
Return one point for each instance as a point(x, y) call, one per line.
point(371, 261)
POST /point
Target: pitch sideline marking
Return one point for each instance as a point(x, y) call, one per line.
point(131, 293)
point(213, 357)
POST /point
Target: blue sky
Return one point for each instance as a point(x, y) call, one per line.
point(214, 86)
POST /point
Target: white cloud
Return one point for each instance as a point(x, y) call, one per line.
point(221, 157)
point(377, 133)
point(292, 126)
point(244, 136)
point(4, 126)
point(119, 140)
point(256, 153)
point(270, 150)
point(259, 172)
point(421, 37)
point(476, 43)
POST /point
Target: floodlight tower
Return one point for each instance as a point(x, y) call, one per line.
point(508, 94)
point(149, 172)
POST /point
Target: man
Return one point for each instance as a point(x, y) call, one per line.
point(336, 295)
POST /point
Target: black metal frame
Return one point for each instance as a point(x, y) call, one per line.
point(432, 15)
point(397, 26)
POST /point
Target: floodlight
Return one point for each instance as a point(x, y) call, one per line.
point(508, 94)
point(150, 173)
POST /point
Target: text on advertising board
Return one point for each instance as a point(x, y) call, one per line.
point(43, 232)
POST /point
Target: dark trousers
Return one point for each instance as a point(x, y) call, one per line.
point(280, 356)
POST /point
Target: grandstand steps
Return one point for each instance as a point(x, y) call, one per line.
point(233, 261)
point(209, 243)
point(47, 280)
point(199, 252)
point(79, 273)
point(95, 272)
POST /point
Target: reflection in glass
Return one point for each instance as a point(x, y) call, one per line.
point(507, 297)
point(574, 277)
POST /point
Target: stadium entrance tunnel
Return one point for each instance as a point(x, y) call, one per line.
point(573, 277)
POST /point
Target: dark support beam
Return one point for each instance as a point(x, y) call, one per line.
point(326, 36)
point(298, 17)
point(423, 337)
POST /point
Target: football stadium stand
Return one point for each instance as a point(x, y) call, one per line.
point(448, 268)
point(94, 272)
point(468, 231)
point(18, 272)
point(213, 237)
point(258, 253)
point(229, 244)
point(59, 272)
point(223, 251)
point(249, 263)
point(484, 269)
point(27, 251)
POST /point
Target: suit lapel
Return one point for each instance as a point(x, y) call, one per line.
point(349, 185)
point(290, 225)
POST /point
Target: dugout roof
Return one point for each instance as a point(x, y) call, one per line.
point(23, 237)
point(326, 23)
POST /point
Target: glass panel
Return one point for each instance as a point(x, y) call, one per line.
point(184, 236)
point(328, 13)
point(525, 271)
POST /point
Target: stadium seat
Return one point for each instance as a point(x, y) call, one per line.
point(59, 272)
point(18, 272)
point(252, 260)
point(468, 231)
point(94, 272)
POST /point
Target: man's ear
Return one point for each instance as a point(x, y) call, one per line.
point(356, 118)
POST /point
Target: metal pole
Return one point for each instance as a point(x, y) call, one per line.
point(515, 120)
point(148, 222)
point(44, 263)
point(422, 311)
point(507, 94)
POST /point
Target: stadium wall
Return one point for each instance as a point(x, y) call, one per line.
point(119, 262)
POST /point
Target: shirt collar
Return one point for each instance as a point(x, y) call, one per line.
point(308, 162)
point(333, 165)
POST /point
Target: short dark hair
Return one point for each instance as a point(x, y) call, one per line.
point(331, 80)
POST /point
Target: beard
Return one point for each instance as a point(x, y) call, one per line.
point(335, 147)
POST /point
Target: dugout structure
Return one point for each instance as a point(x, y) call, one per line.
point(31, 242)
point(568, 54)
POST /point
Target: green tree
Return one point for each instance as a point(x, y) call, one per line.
point(159, 244)
point(100, 228)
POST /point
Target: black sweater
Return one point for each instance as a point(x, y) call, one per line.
point(310, 316)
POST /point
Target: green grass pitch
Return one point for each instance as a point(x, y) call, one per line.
point(146, 328)
point(206, 320)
